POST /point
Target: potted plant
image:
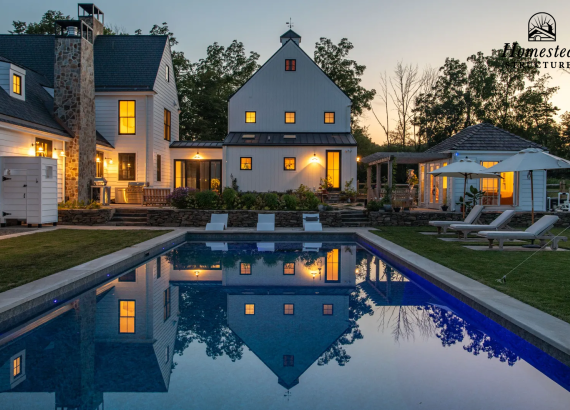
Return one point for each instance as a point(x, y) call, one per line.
point(397, 206)
point(412, 179)
point(444, 206)
point(386, 200)
point(349, 191)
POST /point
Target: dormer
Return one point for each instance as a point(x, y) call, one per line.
point(290, 35)
point(13, 80)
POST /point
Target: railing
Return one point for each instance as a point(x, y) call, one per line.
point(155, 196)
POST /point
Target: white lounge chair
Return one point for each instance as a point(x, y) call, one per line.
point(500, 223)
point(266, 222)
point(471, 218)
point(218, 222)
point(311, 222)
point(313, 227)
point(540, 230)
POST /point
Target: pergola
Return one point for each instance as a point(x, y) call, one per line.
point(380, 158)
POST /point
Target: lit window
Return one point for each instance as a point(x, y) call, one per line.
point(289, 268)
point(333, 168)
point(167, 127)
point(245, 163)
point(17, 84)
point(158, 168)
point(126, 316)
point(17, 366)
point(289, 164)
point(99, 161)
point(327, 309)
point(250, 116)
point(329, 117)
point(166, 303)
point(289, 118)
point(167, 73)
point(332, 266)
point(127, 167)
point(288, 309)
point(290, 65)
point(288, 360)
point(43, 148)
point(250, 309)
point(127, 117)
point(245, 268)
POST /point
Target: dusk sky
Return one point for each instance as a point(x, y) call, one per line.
point(418, 32)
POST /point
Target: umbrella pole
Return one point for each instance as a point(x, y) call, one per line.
point(464, 191)
point(532, 195)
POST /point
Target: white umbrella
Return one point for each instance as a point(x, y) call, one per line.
point(464, 168)
point(530, 159)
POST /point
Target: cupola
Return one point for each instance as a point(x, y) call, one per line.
point(290, 35)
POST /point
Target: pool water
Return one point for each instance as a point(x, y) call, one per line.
point(272, 326)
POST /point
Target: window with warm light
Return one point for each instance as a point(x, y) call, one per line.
point(290, 65)
point(289, 268)
point(498, 191)
point(245, 163)
point(99, 163)
point(332, 271)
point(127, 167)
point(127, 117)
point(333, 168)
point(245, 268)
point(327, 309)
point(167, 127)
point(329, 117)
point(289, 163)
point(250, 309)
point(289, 117)
point(288, 309)
point(158, 168)
point(44, 148)
point(17, 366)
point(166, 304)
point(17, 84)
point(126, 316)
point(288, 360)
point(250, 116)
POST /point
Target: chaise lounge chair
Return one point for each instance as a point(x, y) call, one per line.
point(218, 222)
point(311, 222)
point(266, 222)
point(540, 230)
point(499, 224)
point(471, 218)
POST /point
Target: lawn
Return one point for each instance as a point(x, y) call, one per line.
point(30, 257)
point(543, 281)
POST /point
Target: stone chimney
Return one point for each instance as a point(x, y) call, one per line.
point(74, 97)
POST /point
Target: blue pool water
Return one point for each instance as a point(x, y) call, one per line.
point(272, 326)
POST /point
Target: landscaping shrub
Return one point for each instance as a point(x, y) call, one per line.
point(248, 200)
point(179, 197)
point(206, 200)
point(290, 202)
point(271, 201)
point(310, 202)
point(229, 197)
point(374, 206)
point(79, 205)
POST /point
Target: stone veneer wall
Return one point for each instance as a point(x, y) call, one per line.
point(198, 217)
point(85, 216)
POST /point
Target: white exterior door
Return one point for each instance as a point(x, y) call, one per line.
point(14, 192)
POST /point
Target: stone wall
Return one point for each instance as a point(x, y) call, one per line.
point(85, 216)
point(198, 217)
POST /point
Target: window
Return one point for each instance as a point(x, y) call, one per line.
point(166, 303)
point(333, 168)
point(129, 277)
point(158, 168)
point(289, 163)
point(290, 117)
point(158, 267)
point(167, 74)
point(202, 175)
point(126, 316)
point(498, 191)
point(327, 309)
point(99, 162)
point(127, 167)
point(290, 65)
point(288, 360)
point(245, 163)
point(288, 309)
point(332, 266)
point(245, 268)
point(43, 148)
point(289, 268)
point(329, 117)
point(127, 117)
point(17, 84)
point(167, 127)
point(17, 366)
point(250, 309)
point(250, 116)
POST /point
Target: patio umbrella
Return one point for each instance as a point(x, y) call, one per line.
point(530, 159)
point(466, 169)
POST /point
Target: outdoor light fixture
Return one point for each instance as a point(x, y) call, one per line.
point(197, 273)
point(110, 160)
point(197, 156)
point(357, 159)
point(97, 159)
point(314, 159)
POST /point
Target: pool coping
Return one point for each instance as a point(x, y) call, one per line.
point(544, 331)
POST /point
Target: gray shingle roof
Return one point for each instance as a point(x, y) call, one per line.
point(484, 137)
point(196, 144)
point(101, 140)
point(301, 139)
point(34, 52)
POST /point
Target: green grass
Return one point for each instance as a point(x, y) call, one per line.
point(30, 257)
point(543, 281)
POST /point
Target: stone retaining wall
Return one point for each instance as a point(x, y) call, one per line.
point(85, 216)
point(199, 217)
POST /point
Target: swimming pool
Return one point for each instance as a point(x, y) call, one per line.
point(272, 325)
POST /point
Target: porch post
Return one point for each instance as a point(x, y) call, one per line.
point(369, 183)
point(378, 179)
point(390, 173)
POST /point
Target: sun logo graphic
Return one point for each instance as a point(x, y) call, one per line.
point(542, 27)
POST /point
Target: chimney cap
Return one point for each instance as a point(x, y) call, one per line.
point(90, 9)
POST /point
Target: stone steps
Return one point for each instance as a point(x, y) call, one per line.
point(129, 217)
point(354, 218)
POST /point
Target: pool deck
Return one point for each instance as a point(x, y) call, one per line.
point(548, 333)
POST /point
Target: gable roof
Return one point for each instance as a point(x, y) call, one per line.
point(30, 51)
point(484, 137)
point(290, 34)
point(301, 139)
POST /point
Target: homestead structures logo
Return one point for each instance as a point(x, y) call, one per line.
point(542, 27)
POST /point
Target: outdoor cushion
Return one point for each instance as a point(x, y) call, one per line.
point(312, 219)
point(314, 226)
point(215, 226)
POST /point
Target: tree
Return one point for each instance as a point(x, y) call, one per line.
point(45, 26)
point(405, 84)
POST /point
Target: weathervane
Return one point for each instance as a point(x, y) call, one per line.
point(290, 23)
